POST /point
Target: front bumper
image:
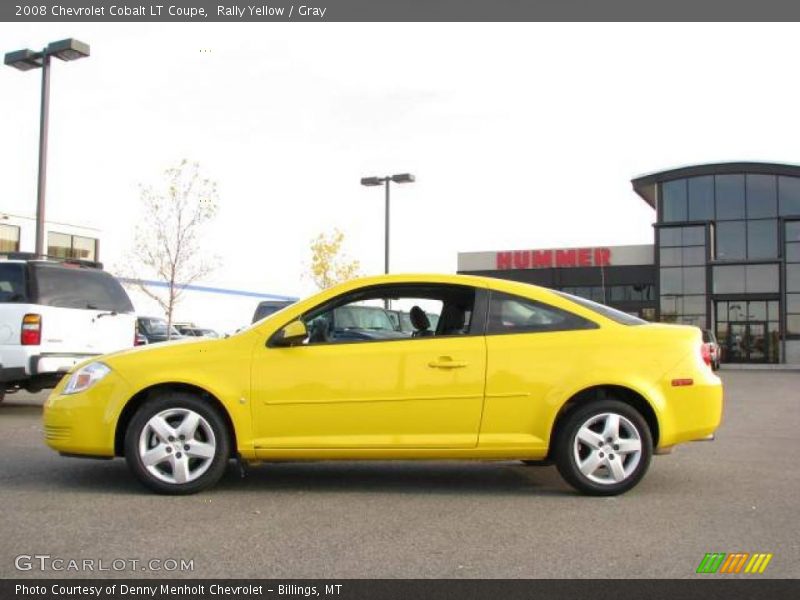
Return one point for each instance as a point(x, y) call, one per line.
point(85, 423)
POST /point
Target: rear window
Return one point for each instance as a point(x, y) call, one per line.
point(12, 282)
point(620, 317)
point(79, 288)
point(515, 314)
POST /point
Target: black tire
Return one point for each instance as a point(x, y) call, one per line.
point(565, 450)
point(182, 403)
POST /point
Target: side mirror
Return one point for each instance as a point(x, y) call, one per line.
point(293, 334)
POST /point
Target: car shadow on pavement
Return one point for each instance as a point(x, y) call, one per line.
point(399, 477)
point(9, 408)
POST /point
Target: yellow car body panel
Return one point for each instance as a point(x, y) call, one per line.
point(382, 399)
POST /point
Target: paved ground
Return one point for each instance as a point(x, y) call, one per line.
point(328, 520)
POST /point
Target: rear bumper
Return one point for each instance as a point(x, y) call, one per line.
point(693, 412)
point(21, 363)
point(51, 362)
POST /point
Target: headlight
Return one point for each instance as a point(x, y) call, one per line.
point(86, 377)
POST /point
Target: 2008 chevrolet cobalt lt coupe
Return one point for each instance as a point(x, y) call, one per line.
point(509, 371)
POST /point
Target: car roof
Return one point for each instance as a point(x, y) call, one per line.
point(452, 279)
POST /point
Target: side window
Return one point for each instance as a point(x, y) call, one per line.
point(393, 313)
point(515, 314)
point(12, 282)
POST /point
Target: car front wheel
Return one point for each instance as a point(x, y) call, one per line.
point(177, 443)
point(604, 448)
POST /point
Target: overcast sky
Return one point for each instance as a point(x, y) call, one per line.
point(520, 135)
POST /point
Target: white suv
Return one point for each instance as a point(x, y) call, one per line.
point(54, 314)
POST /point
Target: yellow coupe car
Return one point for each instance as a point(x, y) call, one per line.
point(509, 372)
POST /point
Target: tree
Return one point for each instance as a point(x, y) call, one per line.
point(329, 265)
point(168, 239)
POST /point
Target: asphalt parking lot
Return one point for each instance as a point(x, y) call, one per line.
point(443, 520)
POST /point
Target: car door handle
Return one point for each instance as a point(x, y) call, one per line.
point(445, 362)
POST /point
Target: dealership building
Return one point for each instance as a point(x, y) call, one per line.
point(725, 256)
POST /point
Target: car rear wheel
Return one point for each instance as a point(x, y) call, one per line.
point(177, 443)
point(604, 448)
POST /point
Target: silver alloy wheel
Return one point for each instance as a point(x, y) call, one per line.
point(177, 445)
point(607, 448)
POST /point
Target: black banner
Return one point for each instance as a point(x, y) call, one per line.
point(711, 588)
point(397, 10)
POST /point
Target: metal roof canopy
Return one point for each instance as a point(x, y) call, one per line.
point(645, 185)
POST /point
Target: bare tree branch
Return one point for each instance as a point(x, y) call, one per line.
point(168, 245)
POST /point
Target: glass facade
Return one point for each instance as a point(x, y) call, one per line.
point(792, 254)
point(682, 276)
point(723, 241)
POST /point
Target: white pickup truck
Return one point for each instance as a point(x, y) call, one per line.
point(54, 314)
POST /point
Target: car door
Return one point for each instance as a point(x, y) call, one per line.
point(413, 392)
point(533, 349)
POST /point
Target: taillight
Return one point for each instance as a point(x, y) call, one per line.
point(705, 353)
point(31, 330)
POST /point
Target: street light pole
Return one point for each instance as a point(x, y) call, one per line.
point(25, 60)
point(44, 119)
point(386, 181)
point(386, 234)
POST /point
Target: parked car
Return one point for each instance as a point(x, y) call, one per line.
point(710, 340)
point(55, 314)
point(198, 332)
point(512, 371)
point(267, 307)
point(154, 330)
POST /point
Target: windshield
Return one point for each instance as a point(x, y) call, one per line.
point(362, 317)
point(620, 317)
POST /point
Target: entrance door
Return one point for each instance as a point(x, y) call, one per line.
point(745, 341)
point(757, 342)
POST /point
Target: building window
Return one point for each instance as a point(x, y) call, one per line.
point(793, 278)
point(789, 196)
point(682, 275)
point(9, 238)
point(762, 196)
point(673, 200)
point(746, 279)
point(739, 240)
point(731, 240)
point(730, 197)
point(701, 198)
point(64, 245)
